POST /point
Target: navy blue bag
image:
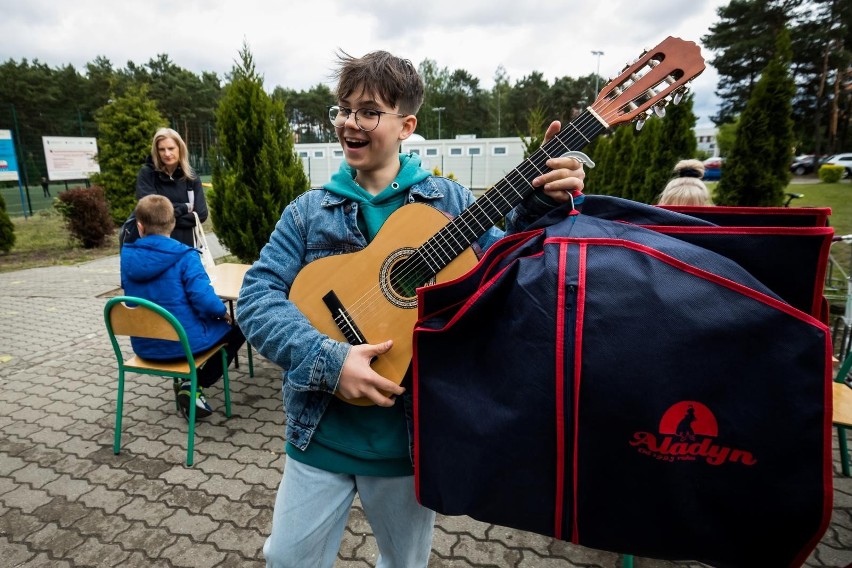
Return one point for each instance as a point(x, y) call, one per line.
point(756, 216)
point(623, 389)
point(786, 248)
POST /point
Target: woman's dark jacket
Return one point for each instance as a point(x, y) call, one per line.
point(175, 187)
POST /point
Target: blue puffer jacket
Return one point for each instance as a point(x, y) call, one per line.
point(170, 274)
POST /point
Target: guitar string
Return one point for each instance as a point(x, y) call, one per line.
point(364, 308)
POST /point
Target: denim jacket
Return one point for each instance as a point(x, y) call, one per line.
point(316, 224)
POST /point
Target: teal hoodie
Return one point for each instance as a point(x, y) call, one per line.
point(375, 209)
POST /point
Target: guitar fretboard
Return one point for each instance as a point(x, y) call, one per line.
point(440, 249)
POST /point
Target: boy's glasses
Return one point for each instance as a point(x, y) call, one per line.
point(367, 119)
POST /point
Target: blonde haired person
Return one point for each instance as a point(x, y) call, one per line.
point(686, 188)
point(167, 172)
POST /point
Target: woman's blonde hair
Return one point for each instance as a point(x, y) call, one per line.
point(162, 134)
point(686, 188)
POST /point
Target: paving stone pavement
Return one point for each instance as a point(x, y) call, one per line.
point(67, 501)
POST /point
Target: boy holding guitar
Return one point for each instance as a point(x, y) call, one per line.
point(333, 326)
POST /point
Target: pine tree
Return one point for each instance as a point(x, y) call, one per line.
point(257, 172)
point(7, 229)
point(757, 169)
point(126, 127)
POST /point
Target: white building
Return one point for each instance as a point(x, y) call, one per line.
point(477, 163)
point(706, 137)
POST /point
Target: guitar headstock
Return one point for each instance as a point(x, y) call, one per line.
point(657, 77)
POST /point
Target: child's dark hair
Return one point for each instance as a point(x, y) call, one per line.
point(392, 79)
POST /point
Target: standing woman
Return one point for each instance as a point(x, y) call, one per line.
point(167, 172)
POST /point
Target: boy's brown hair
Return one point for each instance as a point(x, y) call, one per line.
point(392, 79)
point(157, 215)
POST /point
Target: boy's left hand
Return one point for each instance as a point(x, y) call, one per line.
point(566, 175)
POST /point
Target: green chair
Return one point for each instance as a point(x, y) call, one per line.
point(137, 317)
point(842, 413)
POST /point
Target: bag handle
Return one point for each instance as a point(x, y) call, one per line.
point(198, 233)
point(200, 242)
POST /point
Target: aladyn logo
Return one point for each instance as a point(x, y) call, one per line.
point(687, 433)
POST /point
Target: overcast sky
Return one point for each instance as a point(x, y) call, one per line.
point(294, 42)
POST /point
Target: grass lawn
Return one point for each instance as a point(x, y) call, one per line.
point(42, 240)
point(838, 196)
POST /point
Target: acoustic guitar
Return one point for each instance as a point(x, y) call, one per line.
point(370, 296)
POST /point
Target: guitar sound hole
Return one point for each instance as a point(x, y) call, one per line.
point(400, 278)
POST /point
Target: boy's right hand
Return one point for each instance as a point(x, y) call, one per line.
point(358, 379)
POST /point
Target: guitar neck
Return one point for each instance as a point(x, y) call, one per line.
point(505, 195)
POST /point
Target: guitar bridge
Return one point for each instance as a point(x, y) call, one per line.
point(343, 320)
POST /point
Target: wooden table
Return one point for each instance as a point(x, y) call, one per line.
point(227, 279)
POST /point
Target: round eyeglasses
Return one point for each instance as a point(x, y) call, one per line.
point(367, 119)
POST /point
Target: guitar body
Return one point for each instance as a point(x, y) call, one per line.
point(360, 282)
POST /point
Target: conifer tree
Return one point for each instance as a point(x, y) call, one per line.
point(257, 172)
point(618, 161)
point(126, 127)
point(7, 229)
point(647, 147)
point(757, 169)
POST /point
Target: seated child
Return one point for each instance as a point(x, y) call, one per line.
point(170, 274)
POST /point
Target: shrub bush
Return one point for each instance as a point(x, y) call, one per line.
point(829, 173)
point(86, 215)
point(7, 229)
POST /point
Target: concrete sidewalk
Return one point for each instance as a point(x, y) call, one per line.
point(67, 501)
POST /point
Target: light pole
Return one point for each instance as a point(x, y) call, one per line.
point(598, 72)
point(439, 110)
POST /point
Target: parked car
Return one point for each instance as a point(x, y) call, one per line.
point(803, 164)
point(713, 168)
point(844, 160)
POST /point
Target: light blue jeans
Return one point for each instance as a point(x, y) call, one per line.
point(312, 508)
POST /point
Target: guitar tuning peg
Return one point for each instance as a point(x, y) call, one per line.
point(678, 96)
point(640, 122)
point(660, 110)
